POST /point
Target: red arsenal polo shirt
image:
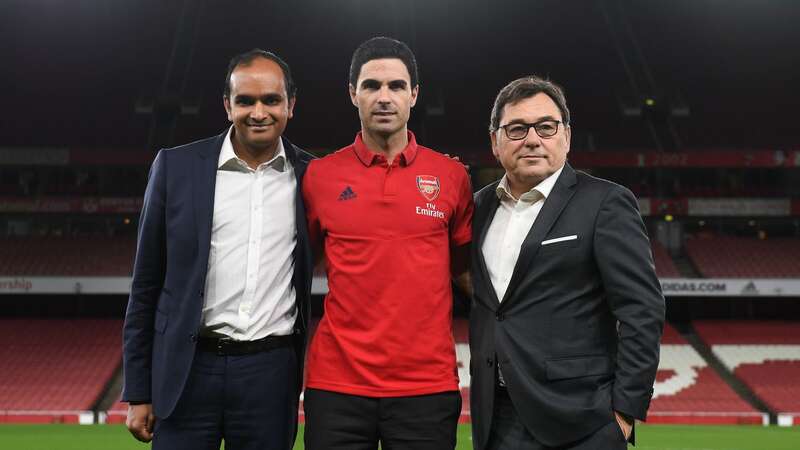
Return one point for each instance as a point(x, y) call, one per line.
point(387, 233)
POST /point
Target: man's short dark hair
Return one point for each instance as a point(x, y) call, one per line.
point(379, 48)
point(523, 88)
point(247, 58)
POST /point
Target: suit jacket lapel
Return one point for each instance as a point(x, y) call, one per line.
point(299, 168)
point(204, 179)
point(553, 205)
point(302, 253)
point(483, 218)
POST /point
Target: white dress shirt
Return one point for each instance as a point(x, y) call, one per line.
point(511, 223)
point(249, 290)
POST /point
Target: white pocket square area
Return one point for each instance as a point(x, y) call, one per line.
point(561, 239)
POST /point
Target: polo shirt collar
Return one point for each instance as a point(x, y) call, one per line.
point(368, 157)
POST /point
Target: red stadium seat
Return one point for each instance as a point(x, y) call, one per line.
point(734, 257)
point(665, 266)
point(78, 256)
point(765, 355)
point(687, 390)
point(55, 366)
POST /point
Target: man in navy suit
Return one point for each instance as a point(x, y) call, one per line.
point(215, 327)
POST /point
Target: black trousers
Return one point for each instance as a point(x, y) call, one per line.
point(508, 432)
point(245, 400)
point(349, 422)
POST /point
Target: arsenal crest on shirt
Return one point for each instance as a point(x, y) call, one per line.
point(428, 186)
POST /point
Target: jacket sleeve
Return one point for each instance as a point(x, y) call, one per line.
point(148, 280)
point(623, 256)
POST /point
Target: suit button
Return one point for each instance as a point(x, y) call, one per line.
point(489, 362)
point(193, 337)
point(200, 294)
point(500, 317)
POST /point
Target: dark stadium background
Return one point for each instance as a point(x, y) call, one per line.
point(692, 104)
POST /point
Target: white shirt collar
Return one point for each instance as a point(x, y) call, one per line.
point(543, 188)
point(279, 162)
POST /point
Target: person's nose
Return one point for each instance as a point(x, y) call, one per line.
point(258, 112)
point(532, 139)
point(383, 95)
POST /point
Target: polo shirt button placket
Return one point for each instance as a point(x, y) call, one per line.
point(388, 185)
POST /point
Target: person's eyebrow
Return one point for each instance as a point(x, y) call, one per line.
point(267, 98)
point(516, 122)
point(398, 84)
point(369, 83)
point(244, 98)
point(522, 121)
point(544, 118)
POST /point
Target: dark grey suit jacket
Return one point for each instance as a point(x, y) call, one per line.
point(577, 334)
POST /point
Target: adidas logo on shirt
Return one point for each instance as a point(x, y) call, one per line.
point(347, 194)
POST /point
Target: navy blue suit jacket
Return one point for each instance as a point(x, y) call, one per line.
point(169, 275)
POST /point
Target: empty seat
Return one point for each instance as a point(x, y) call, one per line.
point(57, 365)
point(78, 256)
point(765, 355)
point(734, 257)
point(665, 266)
point(687, 390)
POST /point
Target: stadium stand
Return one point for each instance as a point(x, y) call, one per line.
point(54, 371)
point(672, 95)
point(764, 355)
point(688, 391)
point(461, 336)
point(116, 413)
point(62, 256)
point(735, 257)
point(665, 267)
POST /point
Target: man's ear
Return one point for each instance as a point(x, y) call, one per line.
point(352, 90)
point(292, 101)
point(568, 136)
point(493, 138)
point(226, 101)
point(414, 94)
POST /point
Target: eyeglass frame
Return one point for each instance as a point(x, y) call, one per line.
point(528, 129)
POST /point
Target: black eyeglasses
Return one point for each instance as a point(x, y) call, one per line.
point(545, 129)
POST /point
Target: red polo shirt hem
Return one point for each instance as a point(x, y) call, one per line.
point(382, 392)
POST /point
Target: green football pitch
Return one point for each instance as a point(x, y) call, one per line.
point(649, 437)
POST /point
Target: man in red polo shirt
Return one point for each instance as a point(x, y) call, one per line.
point(394, 219)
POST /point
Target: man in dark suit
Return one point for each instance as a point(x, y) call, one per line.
point(567, 311)
point(215, 327)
